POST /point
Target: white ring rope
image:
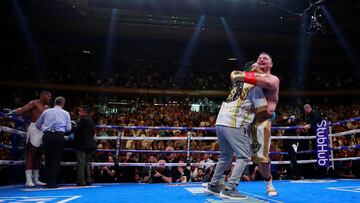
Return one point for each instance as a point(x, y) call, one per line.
point(12, 130)
point(345, 133)
point(292, 137)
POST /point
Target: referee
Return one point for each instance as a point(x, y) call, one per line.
point(54, 122)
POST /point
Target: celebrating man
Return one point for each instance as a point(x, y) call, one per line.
point(234, 118)
point(260, 130)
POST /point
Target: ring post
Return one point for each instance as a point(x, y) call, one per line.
point(188, 161)
point(331, 146)
point(117, 152)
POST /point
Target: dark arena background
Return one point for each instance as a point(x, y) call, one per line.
point(155, 73)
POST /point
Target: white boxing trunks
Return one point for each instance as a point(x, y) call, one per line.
point(34, 135)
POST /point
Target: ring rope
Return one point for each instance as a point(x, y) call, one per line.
point(11, 162)
point(346, 121)
point(189, 138)
point(2, 114)
point(346, 147)
point(175, 151)
point(181, 128)
point(162, 151)
point(350, 132)
point(15, 118)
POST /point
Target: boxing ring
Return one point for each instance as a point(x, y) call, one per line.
point(306, 190)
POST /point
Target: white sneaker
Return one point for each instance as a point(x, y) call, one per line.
point(29, 181)
point(39, 183)
point(29, 184)
point(36, 178)
point(270, 190)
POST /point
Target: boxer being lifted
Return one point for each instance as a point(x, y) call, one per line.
point(260, 131)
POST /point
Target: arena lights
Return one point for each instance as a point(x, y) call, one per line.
point(316, 27)
point(232, 59)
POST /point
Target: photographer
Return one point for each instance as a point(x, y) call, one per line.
point(107, 174)
point(160, 174)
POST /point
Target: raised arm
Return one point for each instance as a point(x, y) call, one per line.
point(25, 108)
point(255, 78)
point(247, 77)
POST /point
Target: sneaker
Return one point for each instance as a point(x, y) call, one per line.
point(213, 189)
point(270, 190)
point(232, 194)
point(29, 184)
point(37, 182)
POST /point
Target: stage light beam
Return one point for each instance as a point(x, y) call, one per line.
point(302, 53)
point(107, 66)
point(186, 57)
point(340, 36)
point(29, 39)
point(230, 36)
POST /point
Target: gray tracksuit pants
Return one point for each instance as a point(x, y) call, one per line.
point(232, 140)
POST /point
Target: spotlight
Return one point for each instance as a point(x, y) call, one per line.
point(316, 27)
point(266, 2)
point(232, 59)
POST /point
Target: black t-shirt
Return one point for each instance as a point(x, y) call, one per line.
point(104, 177)
point(84, 134)
point(313, 119)
point(166, 172)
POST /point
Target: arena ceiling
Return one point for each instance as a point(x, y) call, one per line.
point(250, 20)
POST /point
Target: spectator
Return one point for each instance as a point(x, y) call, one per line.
point(160, 174)
point(107, 174)
point(199, 176)
point(181, 174)
point(206, 160)
point(85, 146)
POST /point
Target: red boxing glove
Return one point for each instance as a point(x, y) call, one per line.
point(250, 78)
